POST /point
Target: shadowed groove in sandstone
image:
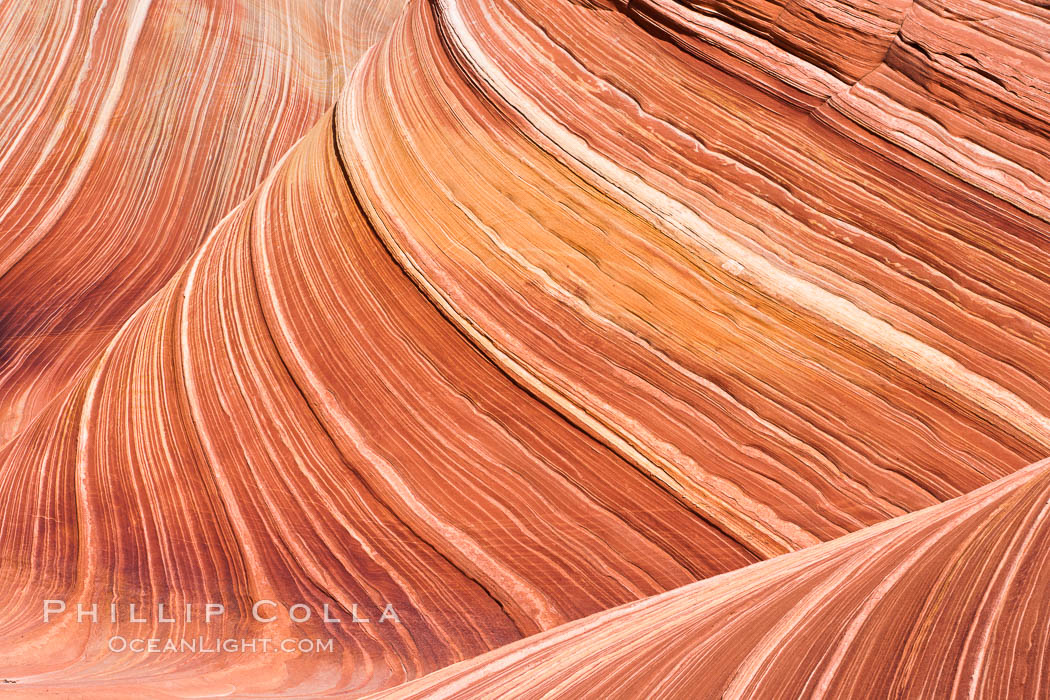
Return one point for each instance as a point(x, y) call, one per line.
point(215, 399)
point(951, 597)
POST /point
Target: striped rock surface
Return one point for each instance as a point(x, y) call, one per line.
point(129, 128)
point(951, 597)
point(538, 309)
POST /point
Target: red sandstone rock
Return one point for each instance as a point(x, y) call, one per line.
point(945, 602)
point(556, 311)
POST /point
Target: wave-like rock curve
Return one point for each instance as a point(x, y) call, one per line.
point(951, 598)
point(555, 307)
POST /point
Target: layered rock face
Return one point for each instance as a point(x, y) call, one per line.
point(129, 129)
point(599, 349)
point(949, 597)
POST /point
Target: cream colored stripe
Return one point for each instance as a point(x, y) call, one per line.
point(682, 223)
point(512, 588)
point(94, 140)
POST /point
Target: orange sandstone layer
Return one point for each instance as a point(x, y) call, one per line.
point(129, 128)
point(796, 336)
point(290, 420)
point(563, 305)
point(945, 602)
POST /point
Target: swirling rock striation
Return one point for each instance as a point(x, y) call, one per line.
point(951, 597)
point(129, 129)
point(558, 306)
point(696, 274)
point(289, 419)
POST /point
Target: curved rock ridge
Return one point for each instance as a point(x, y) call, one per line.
point(556, 307)
point(290, 420)
point(795, 336)
point(961, 84)
point(944, 602)
point(129, 129)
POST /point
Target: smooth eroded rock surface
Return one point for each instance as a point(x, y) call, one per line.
point(620, 349)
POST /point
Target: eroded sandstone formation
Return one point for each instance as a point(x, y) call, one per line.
point(525, 323)
point(945, 602)
point(129, 129)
